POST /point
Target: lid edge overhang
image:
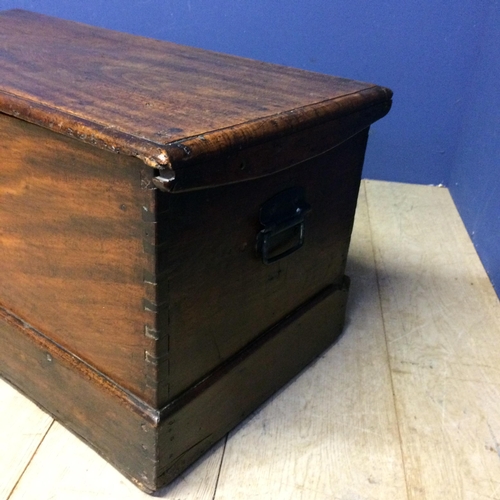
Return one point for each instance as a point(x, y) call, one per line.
point(197, 148)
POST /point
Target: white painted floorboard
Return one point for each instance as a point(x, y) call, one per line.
point(406, 405)
point(442, 324)
point(22, 429)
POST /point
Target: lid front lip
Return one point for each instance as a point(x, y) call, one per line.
point(242, 135)
point(194, 148)
point(86, 97)
point(265, 158)
point(87, 131)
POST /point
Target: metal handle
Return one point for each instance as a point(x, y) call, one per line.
point(283, 212)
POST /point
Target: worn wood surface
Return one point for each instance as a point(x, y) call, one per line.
point(145, 293)
point(116, 297)
point(87, 476)
point(153, 449)
point(122, 429)
point(336, 432)
point(135, 286)
point(220, 295)
point(146, 98)
point(443, 334)
point(202, 415)
point(72, 249)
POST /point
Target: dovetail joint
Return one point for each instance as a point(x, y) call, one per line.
point(154, 360)
point(151, 333)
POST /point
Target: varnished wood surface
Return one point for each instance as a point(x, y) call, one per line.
point(72, 259)
point(404, 406)
point(221, 295)
point(144, 97)
point(85, 404)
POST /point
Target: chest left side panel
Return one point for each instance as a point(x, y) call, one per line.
point(72, 257)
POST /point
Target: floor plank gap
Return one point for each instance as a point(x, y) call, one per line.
point(9, 496)
point(220, 466)
point(379, 296)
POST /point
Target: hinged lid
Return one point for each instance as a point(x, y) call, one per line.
point(170, 105)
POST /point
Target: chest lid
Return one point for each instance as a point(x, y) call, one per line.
point(171, 106)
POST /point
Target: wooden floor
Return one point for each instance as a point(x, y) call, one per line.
point(405, 406)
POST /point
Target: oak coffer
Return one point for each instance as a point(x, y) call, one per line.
point(174, 226)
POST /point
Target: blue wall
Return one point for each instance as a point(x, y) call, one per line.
point(436, 56)
point(475, 176)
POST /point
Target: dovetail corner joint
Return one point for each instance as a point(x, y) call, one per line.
point(151, 333)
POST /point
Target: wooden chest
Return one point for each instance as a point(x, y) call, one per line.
point(174, 226)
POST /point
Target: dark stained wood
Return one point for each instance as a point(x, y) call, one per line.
point(153, 447)
point(246, 161)
point(134, 304)
point(218, 293)
point(71, 253)
point(144, 97)
point(193, 424)
point(119, 427)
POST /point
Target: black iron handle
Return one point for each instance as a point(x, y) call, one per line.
point(266, 235)
point(284, 212)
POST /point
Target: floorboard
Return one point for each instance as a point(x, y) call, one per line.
point(443, 337)
point(22, 429)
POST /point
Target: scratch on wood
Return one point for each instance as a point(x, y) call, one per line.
point(216, 346)
point(184, 453)
point(410, 332)
point(495, 441)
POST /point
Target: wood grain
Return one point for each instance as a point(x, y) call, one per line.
point(71, 249)
point(220, 294)
point(118, 426)
point(132, 299)
point(150, 449)
point(79, 346)
point(201, 416)
point(145, 97)
point(443, 330)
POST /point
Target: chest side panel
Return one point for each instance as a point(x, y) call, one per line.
point(220, 293)
point(71, 248)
